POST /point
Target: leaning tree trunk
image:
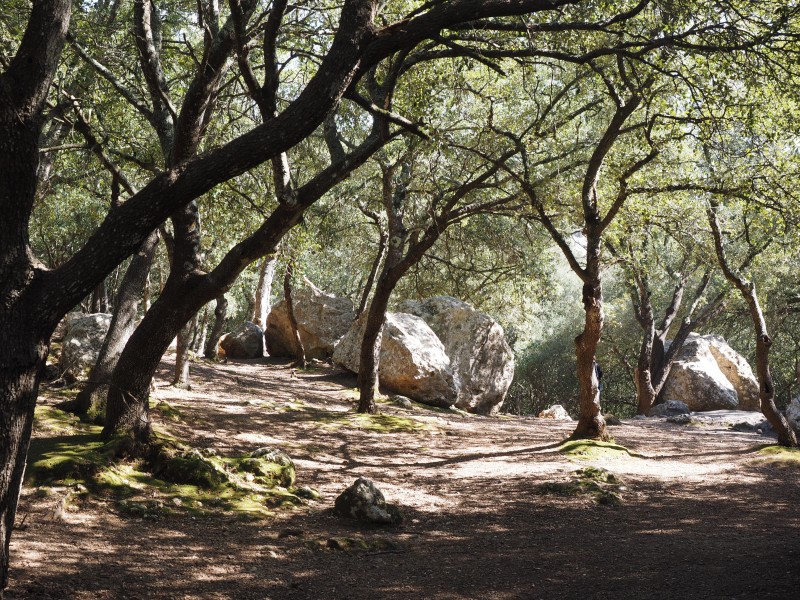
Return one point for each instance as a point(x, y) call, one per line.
point(766, 387)
point(127, 409)
point(91, 401)
point(220, 317)
point(22, 357)
point(590, 423)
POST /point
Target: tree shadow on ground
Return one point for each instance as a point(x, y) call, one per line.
point(477, 522)
point(738, 541)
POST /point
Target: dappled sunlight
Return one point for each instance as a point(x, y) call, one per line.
point(493, 508)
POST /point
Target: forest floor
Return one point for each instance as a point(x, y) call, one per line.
point(493, 508)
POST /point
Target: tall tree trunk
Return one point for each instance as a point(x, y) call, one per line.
point(590, 422)
point(21, 358)
point(287, 296)
point(99, 302)
point(266, 275)
point(376, 265)
point(24, 86)
point(394, 194)
point(200, 332)
point(181, 377)
point(91, 400)
point(369, 360)
point(220, 317)
point(645, 392)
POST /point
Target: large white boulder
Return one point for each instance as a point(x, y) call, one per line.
point(481, 360)
point(413, 361)
point(83, 338)
point(710, 375)
point(322, 320)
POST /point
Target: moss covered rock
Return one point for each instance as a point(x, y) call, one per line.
point(268, 472)
point(189, 467)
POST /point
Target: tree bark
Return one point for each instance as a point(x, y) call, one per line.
point(369, 360)
point(99, 301)
point(376, 265)
point(91, 400)
point(16, 421)
point(287, 296)
point(181, 376)
point(645, 392)
point(220, 318)
point(393, 195)
point(26, 323)
point(591, 423)
point(127, 409)
point(200, 332)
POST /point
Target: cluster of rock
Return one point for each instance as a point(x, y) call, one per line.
point(413, 360)
point(481, 360)
point(441, 352)
point(709, 375)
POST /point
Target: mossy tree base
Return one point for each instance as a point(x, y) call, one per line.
point(592, 429)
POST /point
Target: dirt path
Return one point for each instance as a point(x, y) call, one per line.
point(486, 515)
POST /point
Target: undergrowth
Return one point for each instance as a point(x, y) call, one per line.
point(169, 478)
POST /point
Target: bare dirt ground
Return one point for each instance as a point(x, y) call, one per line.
point(700, 515)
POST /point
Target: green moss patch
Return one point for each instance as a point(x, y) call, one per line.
point(66, 458)
point(50, 420)
point(334, 420)
point(779, 456)
point(597, 484)
point(167, 411)
point(170, 479)
point(265, 472)
point(382, 423)
point(592, 449)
